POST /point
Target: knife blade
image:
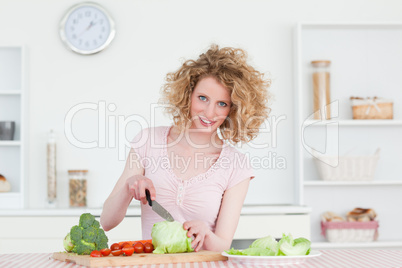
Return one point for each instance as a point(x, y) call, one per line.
point(161, 211)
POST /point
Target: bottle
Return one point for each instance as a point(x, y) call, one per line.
point(51, 170)
point(321, 89)
point(78, 188)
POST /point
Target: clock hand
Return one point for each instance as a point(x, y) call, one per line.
point(90, 25)
point(86, 29)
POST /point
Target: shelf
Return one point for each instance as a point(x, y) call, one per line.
point(352, 122)
point(10, 92)
point(12, 108)
point(11, 200)
point(376, 244)
point(10, 143)
point(9, 194)
point(358, 52)
point(351, 183)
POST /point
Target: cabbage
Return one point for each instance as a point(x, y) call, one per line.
point(68, 245)
point(290, 247)
point(170, 237)
point(251, 252)
point(233, 251)
point(267, 246)
point(258, 252)
point(267, 242)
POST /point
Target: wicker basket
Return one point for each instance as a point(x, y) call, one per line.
point(372, 108)
point(347, 168)
point(340, 232)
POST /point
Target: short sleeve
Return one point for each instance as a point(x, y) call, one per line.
point(242, 170)
point(140, 144)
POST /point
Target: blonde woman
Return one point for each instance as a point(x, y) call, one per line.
point(191, 167)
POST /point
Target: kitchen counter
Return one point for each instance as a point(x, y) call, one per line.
point(135, 211)
point(17, 237)
point(366, 258)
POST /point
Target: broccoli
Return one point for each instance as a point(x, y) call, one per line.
point(86, 220)
point(101, 239)
point(84, 248)
point(96, 224)
point(90, 234)
point(76, 234)
point(85, 237)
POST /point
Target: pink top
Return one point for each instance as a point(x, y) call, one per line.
point(197, 198)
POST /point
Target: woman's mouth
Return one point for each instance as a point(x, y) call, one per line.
point(205, 122)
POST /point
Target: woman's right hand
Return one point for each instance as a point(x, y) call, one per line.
point(136, 186)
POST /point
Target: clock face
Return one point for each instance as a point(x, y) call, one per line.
point(87, 28)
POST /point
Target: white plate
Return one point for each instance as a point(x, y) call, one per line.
point(271, 260)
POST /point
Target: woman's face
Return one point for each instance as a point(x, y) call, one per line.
point(210, 104)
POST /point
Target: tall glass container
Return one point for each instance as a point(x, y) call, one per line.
point(51, 170)
point(78, 187)
point(321, 89)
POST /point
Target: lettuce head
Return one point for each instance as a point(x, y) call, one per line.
point(293, 247)
point(258, 252)
point(170, 237)
point(251, 252)
point(268, 246)
point(267, 242)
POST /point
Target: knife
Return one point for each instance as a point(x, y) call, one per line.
point(161, 211)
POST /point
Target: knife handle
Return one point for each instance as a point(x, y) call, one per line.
point(148, 197)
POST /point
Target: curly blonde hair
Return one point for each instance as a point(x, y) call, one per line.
point(247, 88)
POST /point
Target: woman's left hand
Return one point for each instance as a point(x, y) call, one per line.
point(199, 230)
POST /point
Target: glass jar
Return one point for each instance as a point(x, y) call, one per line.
point(78, 187)
point(321, 89)
point(51, 170)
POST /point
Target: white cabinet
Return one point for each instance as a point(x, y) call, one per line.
point(366, 61)
point(31, 234)
point(12, 107)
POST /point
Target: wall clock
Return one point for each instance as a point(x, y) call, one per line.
point(87, 28)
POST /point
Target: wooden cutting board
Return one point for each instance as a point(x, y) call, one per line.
point(138, 259)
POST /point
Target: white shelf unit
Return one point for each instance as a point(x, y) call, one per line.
point(366, 61)
point(12, 108)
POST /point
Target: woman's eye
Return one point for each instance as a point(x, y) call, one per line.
point(203, 98)
point(222, 104)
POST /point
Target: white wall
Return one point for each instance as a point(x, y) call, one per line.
point(152, 38)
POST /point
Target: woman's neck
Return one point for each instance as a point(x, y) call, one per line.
point(197, 138)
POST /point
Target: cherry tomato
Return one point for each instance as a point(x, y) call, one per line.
point(115, 246)
point(138, 247)
point(148, 247)
point(96, 253)
point(105, 251)
point(128, 250)
point(116, 252)
point(125, 244)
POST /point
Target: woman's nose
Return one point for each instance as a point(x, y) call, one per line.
point(210, 111)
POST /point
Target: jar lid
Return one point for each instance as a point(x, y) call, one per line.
point(321, 63)
point(77, 170)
